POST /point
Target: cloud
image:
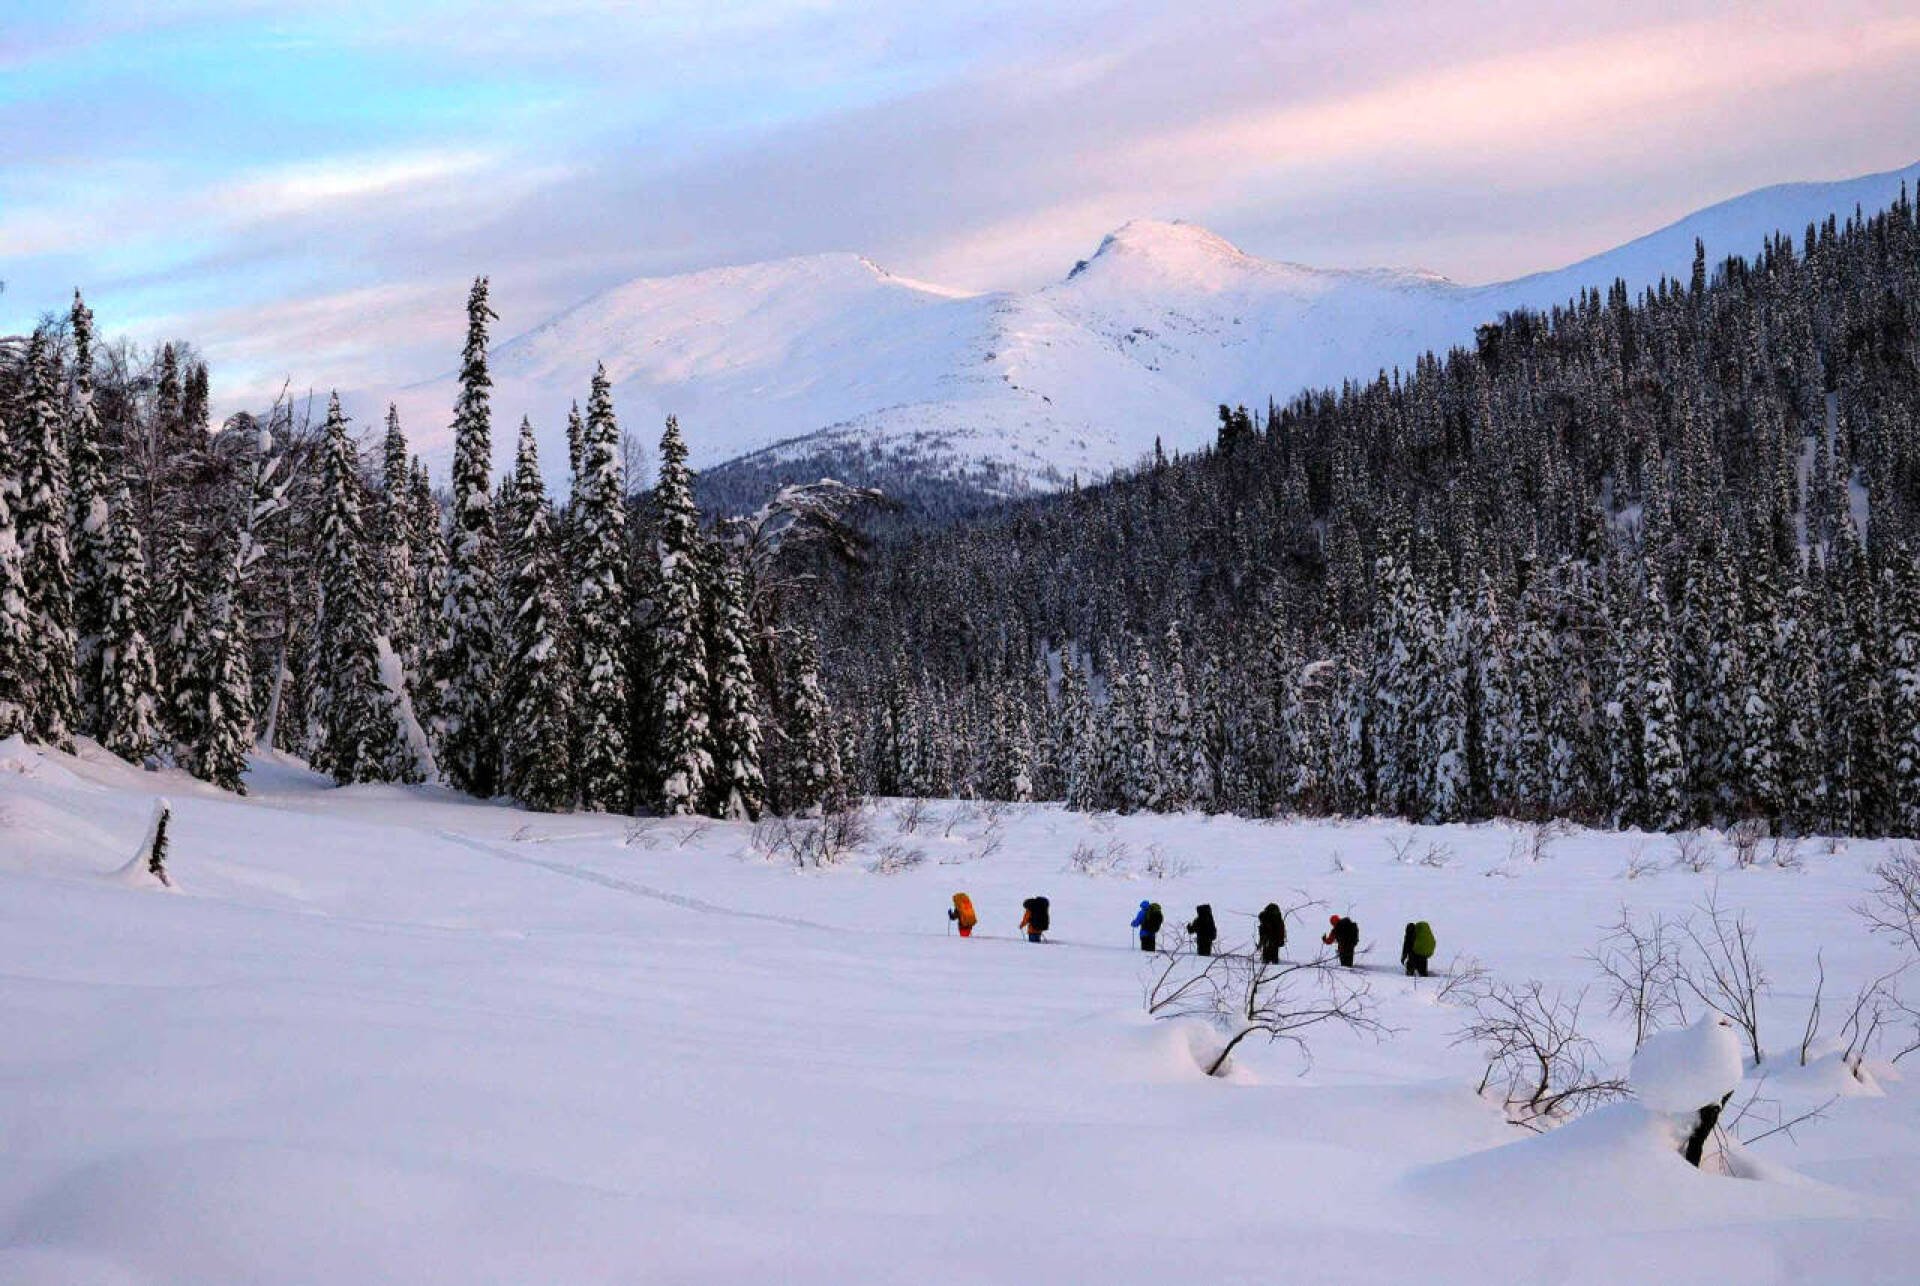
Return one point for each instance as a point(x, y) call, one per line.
point(227, 160)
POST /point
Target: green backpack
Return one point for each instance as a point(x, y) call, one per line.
point(1423, 943)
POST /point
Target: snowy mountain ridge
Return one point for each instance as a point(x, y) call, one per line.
point(829, 355)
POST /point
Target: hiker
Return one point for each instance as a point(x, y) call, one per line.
point(1148, 920)
point(1273, 933)
point(1344, 936)
point(962, 914)
point(1035, 920)
point(1417, 948)
point(1202, 930)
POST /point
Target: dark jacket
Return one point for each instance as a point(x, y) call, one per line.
point(1273, 926)
point(1406, 945)
point(1036, 918)
point(1202, 926)
point(1345, 933)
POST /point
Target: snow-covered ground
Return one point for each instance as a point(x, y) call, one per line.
point(385, 1034)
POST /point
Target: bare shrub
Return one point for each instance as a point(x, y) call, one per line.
point(1463, 981)
point(909, 815)
point(813, 841)
point(1758, 1117)
point(640, 834)
point(957, 816)
point(696, 830)
point(990, 843)
point(1437, 856)
point(1638, 863)
point(1744, 838)
point(1159, 866)
point(1639, 964)
point(1089, 859)
point(1538, 1061)
point(1892, 908)
point(1723, 973)
point(1403, 848)
point(895, 858)
point(1539, 838)
point(1691, 852)
point(1244, 997)
point(1339, 863)
point(1783, 851)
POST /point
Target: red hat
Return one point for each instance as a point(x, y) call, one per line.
point(1333, 919)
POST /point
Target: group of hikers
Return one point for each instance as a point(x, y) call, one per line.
point(1417, 945)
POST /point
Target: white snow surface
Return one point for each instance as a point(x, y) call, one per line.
point(1140, 342)
point(392, 1035)
point(1685, 1069)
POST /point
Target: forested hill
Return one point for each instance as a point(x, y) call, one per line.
point(1637, 560)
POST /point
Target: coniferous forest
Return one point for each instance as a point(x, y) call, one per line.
point(1639, 561)
point(187, 595)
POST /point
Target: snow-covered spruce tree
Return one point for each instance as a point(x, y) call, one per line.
point(176, 627)
point(1185, 775)
point(1142, 786)
point(1902, 617)
point(1664, 771)
point(19, 672)
point(809, 777)
point(538, 674)
point(601, 624)
point(467, 729)
point(128, 691)
point(399, 610)
point(737, 788)
point(42, 522)
point(680, 679)
point(1447, 718)
point(225, 718)
point(429, 555)
point(1075, 749)
point(87, 531)
point(356, 725)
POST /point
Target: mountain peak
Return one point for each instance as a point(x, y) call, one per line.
point(1168, 244)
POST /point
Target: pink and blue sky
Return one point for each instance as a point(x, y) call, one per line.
point(305, 188)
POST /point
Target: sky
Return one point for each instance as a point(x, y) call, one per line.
point(304, 188)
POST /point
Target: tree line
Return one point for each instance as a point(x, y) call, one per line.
point(186, 596)
point(1644, 561)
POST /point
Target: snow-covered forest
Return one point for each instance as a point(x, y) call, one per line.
point(182, 595)
point(1641, 562)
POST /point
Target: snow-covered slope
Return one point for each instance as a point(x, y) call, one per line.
point(385, 1034)
point(1137, 343)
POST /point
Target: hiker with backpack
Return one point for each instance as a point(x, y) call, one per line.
point(1416, 949)
point(962, 914)
point(1273, 933)
point(1203, 930)
point(1343, 937)
point(1148, 920)
point(1034, 920)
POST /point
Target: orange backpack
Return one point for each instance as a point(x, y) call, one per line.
point(963, 908)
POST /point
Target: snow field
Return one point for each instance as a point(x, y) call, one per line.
point(388, 1034)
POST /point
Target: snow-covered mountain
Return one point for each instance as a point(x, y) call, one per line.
point(828, 355)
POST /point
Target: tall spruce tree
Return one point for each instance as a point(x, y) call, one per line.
point(538, 678)
point(128, 690)
point(602, 622)
point(680, 680)
point(42, 523)
point(357, 734)
point(19, 670)
point(738, 788)
point(399, 608)
point(466, 674)
point(87, 532)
